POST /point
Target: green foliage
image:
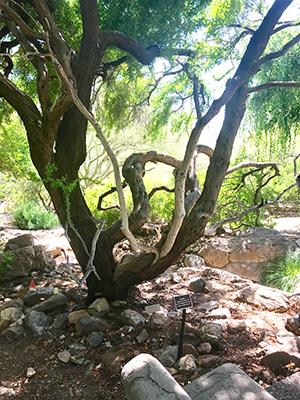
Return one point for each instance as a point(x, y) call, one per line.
point(276, 112)
point(239, 192)
point(162, 206)
point(31, 215)
point(6, 259)
point(283, 273)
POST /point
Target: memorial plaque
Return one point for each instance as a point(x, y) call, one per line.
point(183, 302)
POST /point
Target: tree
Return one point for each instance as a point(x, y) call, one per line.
point(55, 115)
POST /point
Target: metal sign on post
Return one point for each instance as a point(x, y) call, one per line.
point(182, 303)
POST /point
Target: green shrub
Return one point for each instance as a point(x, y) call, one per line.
point(162, 206)
point(283, 273)
point(31, 215)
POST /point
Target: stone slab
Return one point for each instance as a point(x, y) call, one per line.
point(286, 389)
point(227, 382)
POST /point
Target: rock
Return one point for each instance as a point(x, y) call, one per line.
point(264, 297)
point(286, 389)
point(247, 253)
point(87, 325)
point(207, 307)
point(187, 363)
point(219, 313)
point(30, 372)
point(153, 308)
point(4, 323)
point(115, 357)
point(21, 264)
point(99, 307)
point(64, 356)
point(158, 320)
point(55, 303)
point(119, 303)
point(142, 337)
point(208, 361)
point(33, 297)
point(204, 348)
point(7, 392)
point(188, 338)
point(13, 332)
point(94, 339)
point(59, 322)
point(293, 325)
point(19, 242)
point(226, 382)
point(11, 314)
point(132, 318)
point(27, 259)
point(168, 356)
point(197, 285)
point(278, 356)
point(74, 316)
point(193, 261)
point(145, 378)
point(236, 326)
point(211, 333)
point(36, 321)
point(16, 303)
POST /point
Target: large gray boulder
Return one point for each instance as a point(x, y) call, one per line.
point(144, 378)
point(227, 382)
point(286, 389)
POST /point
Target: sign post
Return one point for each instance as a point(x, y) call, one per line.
point(182, 303)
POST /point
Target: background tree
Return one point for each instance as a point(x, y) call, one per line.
point(50, 64)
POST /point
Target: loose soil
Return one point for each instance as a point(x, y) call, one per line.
point(98, 378)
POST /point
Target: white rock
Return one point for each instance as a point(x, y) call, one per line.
point(99, 307)
point(64, 356)
point(30, 372)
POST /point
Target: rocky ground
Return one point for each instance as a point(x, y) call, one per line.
point(52, 348)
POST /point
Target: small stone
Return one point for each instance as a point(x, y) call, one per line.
point(99, 307)
point(158, 320)
point(208, 306)
point(197, 285)
point(142, 337)
point(64, 356)
point(19, 242)
point(236, 326)
point(204, 348)
point(5, 391)
point(13, 332)
point(33, 297)
point(187, 363)
point(87, 325)
point(36, 321)
point(119, 303)
point(133, 318)
point(193, 261)
point(176, 278)
point(94, 339)
point(55, 303)
point(211, 333)
point(219, 313)
point(208, 361)
point(11, 314)
point(15, 303)
point(30, 372)
point(74, 316)
point(4, 323)
point(60, 321)
point(153, 308)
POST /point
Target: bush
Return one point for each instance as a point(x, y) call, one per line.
point(283, 273)
point(31, 215)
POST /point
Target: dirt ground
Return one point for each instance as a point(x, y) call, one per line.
point(98, 376)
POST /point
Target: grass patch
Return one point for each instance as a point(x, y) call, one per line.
point(283, 273)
